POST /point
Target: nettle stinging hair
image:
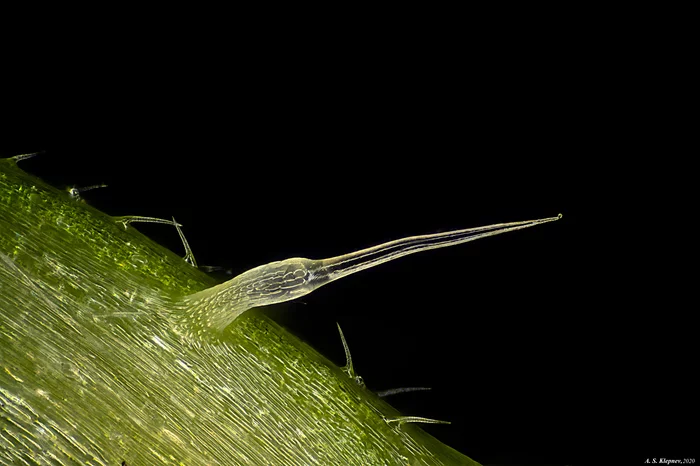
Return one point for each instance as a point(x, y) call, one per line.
point(213, 309)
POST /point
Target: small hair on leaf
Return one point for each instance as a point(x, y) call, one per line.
point(189, 256)
point(127, 219)
point(20, 157)
point(396, 391)
point(413, 419)
point(349, 369)
point(75, 192)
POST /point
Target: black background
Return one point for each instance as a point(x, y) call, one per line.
point(533, 344)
